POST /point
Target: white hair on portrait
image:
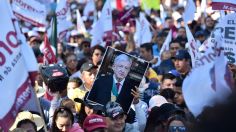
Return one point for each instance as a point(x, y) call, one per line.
point(122, 57)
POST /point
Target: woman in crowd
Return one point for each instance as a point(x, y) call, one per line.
point(176, 124)
point(63, 121)
point(154, 123)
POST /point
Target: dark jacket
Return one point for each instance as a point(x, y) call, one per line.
point(101, 91)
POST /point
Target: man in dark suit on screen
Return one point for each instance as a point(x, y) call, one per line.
point(115, 87)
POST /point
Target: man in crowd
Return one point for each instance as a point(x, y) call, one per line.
point(88, 74)
point(116, 116)
point(174, 47)
point(168, 81)
point(146, 53)
point(182, 63)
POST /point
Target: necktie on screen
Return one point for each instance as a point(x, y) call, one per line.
point(118, 87)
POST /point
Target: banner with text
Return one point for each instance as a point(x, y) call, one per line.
point(63, 18)
point(31, 11)
point(227, 26)
point(14, 76)
point(224, 5)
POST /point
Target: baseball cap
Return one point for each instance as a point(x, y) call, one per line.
point(87, 67)
point(156, 100)
point(93, 122)
point(93, 105)
point(113, 110)
point(182, 54)
point(199, 33)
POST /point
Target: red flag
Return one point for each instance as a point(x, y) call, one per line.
point(49, 56)
point(119, 5)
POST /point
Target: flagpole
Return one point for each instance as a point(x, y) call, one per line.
point(53, 37)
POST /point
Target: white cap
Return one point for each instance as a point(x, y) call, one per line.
point(42, 29)
point(74, 33)
point(33, 33)
point(156, 100)
point(39, 29)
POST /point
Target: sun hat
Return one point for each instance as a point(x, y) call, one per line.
point(38, 120)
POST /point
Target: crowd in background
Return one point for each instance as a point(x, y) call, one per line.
point(160, 105)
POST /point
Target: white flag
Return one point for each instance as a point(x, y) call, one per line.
point(166, 44)
point(224, 5)
point(189, 11)
point(210, 79)
point(192, 46)
point(80, 24)
point(89, 7)
point(63, 18)
point(104, 24)
point(145, 34)
point(14, 72)
point(31, 11)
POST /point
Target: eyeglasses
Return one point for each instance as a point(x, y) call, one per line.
point(177, 129)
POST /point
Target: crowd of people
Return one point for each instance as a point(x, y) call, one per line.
point(158, 105)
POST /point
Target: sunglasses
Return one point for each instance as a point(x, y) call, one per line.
point(177, 129)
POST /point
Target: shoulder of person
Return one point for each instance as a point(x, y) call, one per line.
point(76, 128)
point(131, 128)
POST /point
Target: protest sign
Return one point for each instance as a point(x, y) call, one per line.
point(15, 82)
point(30, 11)
point(224, 5)
point(118, 74)
point(227, 27)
